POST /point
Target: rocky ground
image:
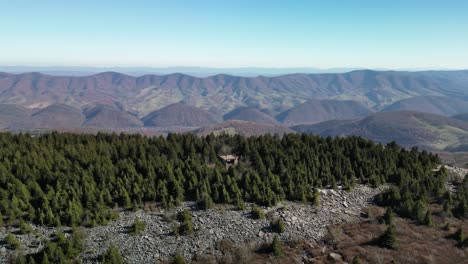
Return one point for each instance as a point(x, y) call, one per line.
point(455, 177)
point(156, 242)
point(456, 173)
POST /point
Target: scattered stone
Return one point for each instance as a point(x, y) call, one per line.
point(212, 226)
point(336, 257)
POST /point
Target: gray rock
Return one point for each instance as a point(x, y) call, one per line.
point(302, 221)
point(336, 257)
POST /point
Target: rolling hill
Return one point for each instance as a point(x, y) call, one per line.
point(147, 93)
point(407, 128)
point(462, 117)
point(179, 115)
point(250, 114)
point(115, 101)
point(55, 116)
point(440, 105)
point(107, 116)
point(316, 111)
point(11, 115)
point(242, 127)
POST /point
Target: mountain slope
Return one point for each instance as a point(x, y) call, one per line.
point(242, 127)
point(462, 117)
point(55, 116)
point(179, 115)
point(11, 115)
point(407, 128)
point(315, 111)
point(250, 114)
point(440, 105)
point(107, 116)
point(224, 93)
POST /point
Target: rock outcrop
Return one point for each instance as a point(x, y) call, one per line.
point(224, 222)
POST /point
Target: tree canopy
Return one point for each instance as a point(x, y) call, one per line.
point(69, 179)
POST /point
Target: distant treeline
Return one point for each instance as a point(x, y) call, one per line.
point(69, 179)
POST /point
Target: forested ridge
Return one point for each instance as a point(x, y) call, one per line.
point(69, 179)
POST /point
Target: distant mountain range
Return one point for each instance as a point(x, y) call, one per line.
point(413, 108)
point(223, 93)
point(194, 71)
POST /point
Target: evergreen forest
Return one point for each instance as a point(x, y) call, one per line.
point(79, 180)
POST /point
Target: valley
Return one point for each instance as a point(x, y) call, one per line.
point(423, 109)
point(233, 132)
point(304, 160)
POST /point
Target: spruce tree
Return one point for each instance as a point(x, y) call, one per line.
point(316, 198)
point(428, 219)
point(276, 247)
point(176, 229)
point(137, 227)
point(388, 238)
point(240, 203)
point(356, 260)
point(387, 218)
point(257, 213)
point(459, 236)
point(277, 225)
point(178, 259)
point(12, 241)
point(186, 228)
point(112, 256)
point(206, 203)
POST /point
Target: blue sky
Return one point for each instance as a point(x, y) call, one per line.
point(223, 33)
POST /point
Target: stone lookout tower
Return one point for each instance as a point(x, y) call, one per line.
point(229, 160)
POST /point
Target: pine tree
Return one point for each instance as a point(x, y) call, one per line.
point(387, 218)
point(45, 260)
point(257, 213)
point(356, 260)
point(459, 236)
point(31, 260)
point(187, 226)
point(21, 259)
point(461, 210)
point(137, 227)
point(419, 211)
point(240, 203)
point(316, 198)
point(388, 238)
point(12, 241)
point(178, 259)
point(276, 247)
point(112, 256)
point(428, 219)
point(176, 229)
point(206, 203)
point(277, 225)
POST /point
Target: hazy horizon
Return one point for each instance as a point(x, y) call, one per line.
point(193, 71)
